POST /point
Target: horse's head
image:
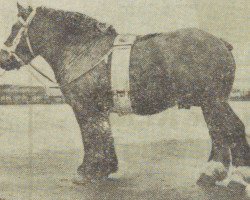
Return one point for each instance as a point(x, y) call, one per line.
point(17, 50)
point(48, 33)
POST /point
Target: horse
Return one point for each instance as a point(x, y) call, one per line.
point(186, 67)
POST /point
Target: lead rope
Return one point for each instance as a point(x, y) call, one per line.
point(41, 73)
point(38, 80)
point(104, 58)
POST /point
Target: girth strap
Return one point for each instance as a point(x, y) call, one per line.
point(120, 73)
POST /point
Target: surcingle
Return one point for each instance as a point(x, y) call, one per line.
point(120, 73)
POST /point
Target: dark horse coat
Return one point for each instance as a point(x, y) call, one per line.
point(187, 67)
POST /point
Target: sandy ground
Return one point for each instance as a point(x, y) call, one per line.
point(160, 156)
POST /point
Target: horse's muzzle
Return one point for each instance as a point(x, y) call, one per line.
point(8, 62)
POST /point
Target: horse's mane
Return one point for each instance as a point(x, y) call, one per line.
point(75, 21)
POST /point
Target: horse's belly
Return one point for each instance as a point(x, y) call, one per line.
point(146, 103)
point(151, 87)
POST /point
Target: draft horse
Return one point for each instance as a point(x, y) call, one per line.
point(187, 67)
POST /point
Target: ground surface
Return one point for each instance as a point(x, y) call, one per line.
point(160, 156)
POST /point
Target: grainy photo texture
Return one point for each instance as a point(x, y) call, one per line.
point(124, 99)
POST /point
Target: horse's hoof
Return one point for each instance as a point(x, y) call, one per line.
point(81, 180)
point(244, 171)
point(237, 180)
point(214, 171)
point(236, 186)
point(206, 180)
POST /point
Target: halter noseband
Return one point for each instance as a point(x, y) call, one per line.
point(22, 32)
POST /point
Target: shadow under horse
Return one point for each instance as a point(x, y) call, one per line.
point(187, 67)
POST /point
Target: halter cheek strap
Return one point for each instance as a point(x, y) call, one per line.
point(22, 32)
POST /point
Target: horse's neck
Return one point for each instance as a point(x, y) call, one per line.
point(83, 57)
point(74, 56)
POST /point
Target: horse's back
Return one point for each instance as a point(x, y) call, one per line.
point(187, 66)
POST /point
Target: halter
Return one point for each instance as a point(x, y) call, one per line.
point(22, 32)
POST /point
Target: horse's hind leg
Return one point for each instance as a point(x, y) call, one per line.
point(239, 146)
point(227, 133)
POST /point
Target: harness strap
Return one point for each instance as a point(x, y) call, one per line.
point(29, 45)
point(25, 26)
point(17, 58)
point(29, 19)
point(21, 20)
point(120, 83)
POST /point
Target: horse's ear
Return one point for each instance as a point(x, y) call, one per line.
point(20, 8)
point(24, 12)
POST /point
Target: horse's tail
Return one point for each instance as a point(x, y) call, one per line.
point(228, 45)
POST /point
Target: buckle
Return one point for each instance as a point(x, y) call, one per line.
point(121, 93)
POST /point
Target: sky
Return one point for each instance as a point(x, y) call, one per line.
point(227, 19)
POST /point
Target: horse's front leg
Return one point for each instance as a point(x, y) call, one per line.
point(99, 153)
